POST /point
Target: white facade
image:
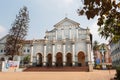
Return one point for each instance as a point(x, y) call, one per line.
point(66, 45)
point(115, 53)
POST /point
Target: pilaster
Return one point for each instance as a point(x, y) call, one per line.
point(31, 55)
point(70, 34)
point(56, 35)
point(88, 52)
point(63, 34)
point(73, 56)
point(89, 56)
point(44, 59)
point(53, 56)
point(64, 58)
point(77, 32)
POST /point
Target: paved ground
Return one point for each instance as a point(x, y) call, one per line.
point(95, 75)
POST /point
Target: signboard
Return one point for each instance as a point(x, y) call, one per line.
point(11, 66)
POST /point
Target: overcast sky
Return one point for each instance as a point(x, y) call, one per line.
point(43, 15)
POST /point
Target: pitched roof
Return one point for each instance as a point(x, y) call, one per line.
point(64, 20)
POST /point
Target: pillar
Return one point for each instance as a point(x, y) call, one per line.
point(44, 59)
point(64, 58)
point(88, 52)
point(70, 34)
point(56, 35)
point(73, 55)
point(53, 56)
point(77, 33)
point(89, 56)
point(63, 34)
point(31, 55)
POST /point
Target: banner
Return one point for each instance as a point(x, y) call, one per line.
point(12, 64)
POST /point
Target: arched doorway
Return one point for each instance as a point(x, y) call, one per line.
point(69, 59)
point(39, 59)
point(59, 59)
point(81, 59)
point(49, 60)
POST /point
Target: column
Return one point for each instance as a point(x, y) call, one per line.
point(70, 34)
point(63, 34)
point(53, 56)
point(73, 55)
point(44, 59)
point(64, 57)
point(31, 55)
point(56, 35)
point(89, 56)
point(77, 33)
point(88, 52)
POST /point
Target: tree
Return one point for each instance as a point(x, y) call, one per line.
point(109, 16)
point(17, 33)
point(95, 45)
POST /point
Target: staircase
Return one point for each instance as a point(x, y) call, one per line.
point(39, 69)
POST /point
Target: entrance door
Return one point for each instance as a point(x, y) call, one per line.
point(49, 60)
point(81, 59)
point(59, 59)
point(39, 59)
point(69, 59)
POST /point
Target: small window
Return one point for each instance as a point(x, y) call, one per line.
point(1, 51)
point(28, 50)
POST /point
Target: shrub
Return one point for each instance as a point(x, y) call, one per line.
point(109, 66)
point(98, 67)
point(26, 59)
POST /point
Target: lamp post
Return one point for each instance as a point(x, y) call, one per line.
point(102, 50)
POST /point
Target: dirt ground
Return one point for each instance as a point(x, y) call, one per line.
point(95, 75)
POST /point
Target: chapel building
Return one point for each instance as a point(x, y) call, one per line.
point(67, 44)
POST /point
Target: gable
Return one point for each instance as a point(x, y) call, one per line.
point(66, 22)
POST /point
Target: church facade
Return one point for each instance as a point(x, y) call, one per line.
point(67, 44)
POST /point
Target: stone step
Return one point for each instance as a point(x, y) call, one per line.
point(37, 69)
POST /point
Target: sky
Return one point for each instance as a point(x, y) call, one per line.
point(44, 14)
